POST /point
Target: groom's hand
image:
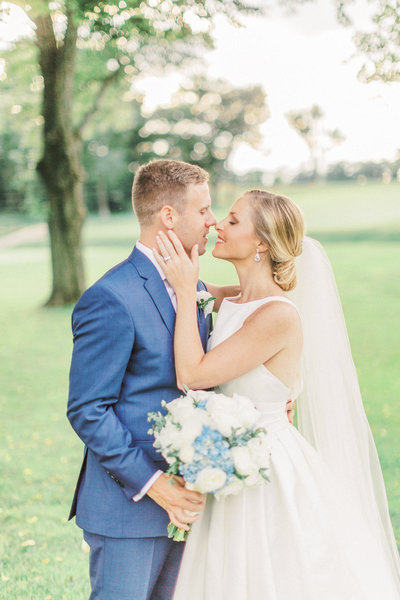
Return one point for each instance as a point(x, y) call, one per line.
point(290, 410)
point(182, 505)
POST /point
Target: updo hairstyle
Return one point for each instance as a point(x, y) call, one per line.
point(279, 224)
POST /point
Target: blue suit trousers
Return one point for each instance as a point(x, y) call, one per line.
point(133, 568)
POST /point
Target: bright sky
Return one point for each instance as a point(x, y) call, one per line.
point(303, 60)
point(300, 59)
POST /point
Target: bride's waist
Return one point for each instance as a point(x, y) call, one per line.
point(274, 422)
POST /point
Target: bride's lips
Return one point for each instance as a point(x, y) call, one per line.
point(219, 241)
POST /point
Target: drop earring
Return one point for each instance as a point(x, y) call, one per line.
point(257, 257)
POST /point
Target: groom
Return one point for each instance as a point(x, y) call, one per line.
point(122, 367)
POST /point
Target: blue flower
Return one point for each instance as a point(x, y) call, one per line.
point(211, 450)
point(202, 404)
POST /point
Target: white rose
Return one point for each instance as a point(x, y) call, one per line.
point(222, 422)
point(184, 399)
point(181, 411)
point(186, 454)
point(242, 460)
point(179, 402)
point(220, 402)
point(210, 480)
point(189, 432)
point(222, 413)
point(203, 418)
point(203, 296)
point(234, 487)
point(254, 479)
point(260, 451)
point(245, 410)
point(167, 436)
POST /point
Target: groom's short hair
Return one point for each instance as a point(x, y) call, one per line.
point(160, 182)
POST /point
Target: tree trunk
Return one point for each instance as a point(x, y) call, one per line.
point(59, 166)
point(102, 199)
point(65, 221)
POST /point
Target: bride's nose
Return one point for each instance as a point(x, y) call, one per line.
point(219, 226)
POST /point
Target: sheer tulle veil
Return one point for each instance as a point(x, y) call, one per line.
point(331, 415)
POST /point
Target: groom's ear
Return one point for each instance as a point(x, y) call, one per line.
point(168, 216)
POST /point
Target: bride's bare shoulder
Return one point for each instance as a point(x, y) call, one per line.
point(276, 316)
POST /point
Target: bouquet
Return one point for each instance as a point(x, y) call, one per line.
point(214, 442)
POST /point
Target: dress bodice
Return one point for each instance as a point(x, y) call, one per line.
point(268, 393)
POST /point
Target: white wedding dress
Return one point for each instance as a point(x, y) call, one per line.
point(298, 537)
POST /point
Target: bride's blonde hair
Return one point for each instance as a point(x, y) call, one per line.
point(279, 224)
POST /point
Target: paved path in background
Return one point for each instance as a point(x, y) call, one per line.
point(25, 235)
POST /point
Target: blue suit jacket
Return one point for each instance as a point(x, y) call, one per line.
point(122, 367)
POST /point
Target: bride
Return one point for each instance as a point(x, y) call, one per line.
point(320, 529)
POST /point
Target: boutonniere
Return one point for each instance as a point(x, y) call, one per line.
point(205, 302)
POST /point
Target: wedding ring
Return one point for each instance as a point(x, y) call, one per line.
point(166, 258)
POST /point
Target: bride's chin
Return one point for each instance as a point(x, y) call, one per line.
point(216, 252)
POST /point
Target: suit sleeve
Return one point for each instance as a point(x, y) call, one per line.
point(104, 335)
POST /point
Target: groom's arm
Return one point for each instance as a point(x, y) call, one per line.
point(222, 291)
point(103, 340)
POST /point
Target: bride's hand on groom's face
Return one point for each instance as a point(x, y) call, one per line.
point(181, 271)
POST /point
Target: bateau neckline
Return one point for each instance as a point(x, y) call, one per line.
point(253, 301)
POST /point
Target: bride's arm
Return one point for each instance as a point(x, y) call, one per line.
point(264, 334)
point(220, 292)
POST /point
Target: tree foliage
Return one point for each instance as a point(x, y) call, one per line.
point(381, 45)
point(309, 124)
point(84, 47)
point(203, 124)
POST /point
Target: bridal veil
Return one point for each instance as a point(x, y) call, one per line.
point(331, 415)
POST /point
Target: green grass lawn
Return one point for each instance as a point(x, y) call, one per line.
point(10, 222)
point(40, 553)
point(340, 207)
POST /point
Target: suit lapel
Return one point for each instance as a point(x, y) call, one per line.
point(155, 287)
point(202, 323)
point(158, 293)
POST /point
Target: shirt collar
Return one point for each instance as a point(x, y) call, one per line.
point(149, 253)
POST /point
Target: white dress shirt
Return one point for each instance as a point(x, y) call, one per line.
point(149, 253)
